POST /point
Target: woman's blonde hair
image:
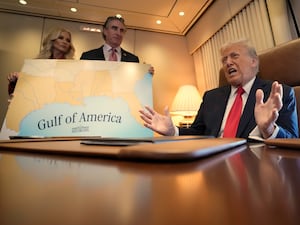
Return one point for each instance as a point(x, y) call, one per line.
point(46, 52)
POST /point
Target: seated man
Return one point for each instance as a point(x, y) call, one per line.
point(262, 108)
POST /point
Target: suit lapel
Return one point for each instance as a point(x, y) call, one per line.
point(101, 53)
point(221, 102)
point(247, 121)
point(123, 55)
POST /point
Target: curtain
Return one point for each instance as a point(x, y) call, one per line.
point(250, 23)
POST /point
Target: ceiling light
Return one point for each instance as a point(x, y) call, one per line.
point(181, 13)
point(23, 2)
point(90, 29)
point(73, 9)
point(158, 21)
point(119, 15)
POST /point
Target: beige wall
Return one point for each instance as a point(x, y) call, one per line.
point(173, 65)
point(20, 38)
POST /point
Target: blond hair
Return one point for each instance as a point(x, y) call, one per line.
point(46, 52)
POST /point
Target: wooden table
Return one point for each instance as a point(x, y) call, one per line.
point(42, 189)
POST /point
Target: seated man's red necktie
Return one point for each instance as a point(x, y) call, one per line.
point(234, 115)
point(113, 55)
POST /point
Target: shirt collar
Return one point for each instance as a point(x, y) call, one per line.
point(247, 87)
point(107, 48)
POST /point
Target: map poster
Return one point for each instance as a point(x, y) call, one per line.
point(79, 98)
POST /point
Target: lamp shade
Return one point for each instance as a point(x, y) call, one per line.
point(187, 101)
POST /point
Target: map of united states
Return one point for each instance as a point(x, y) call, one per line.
point(80, 97)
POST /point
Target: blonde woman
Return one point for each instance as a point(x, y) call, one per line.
point(56, 45)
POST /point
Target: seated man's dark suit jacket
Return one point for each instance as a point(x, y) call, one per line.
point(210, 115)
point(97, 54)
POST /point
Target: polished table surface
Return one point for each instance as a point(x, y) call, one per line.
point(52, 189)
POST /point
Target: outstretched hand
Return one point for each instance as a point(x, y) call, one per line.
point(159, 123)
point(267, 113)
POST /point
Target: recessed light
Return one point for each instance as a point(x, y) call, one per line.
point(158, 21)
point(23, 2)
point(73, 9)
point(90, 29)
point(181, 13)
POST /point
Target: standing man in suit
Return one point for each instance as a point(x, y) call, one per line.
point(113, 32)
point(268, 109)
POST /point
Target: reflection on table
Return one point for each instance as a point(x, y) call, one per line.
point(52, 189)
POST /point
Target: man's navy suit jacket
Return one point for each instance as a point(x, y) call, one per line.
point(210, 115)
point(97, 54)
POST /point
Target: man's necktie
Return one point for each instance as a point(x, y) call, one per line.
point(113, 55)
point(234, 115)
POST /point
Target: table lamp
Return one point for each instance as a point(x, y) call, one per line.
point(186, 104)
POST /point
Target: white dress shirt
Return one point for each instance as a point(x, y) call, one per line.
point(107, 52)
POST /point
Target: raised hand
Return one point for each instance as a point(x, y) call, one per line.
point(267, 113)
point(159, 123)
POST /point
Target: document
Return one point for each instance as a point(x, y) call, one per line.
point(79, 98)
